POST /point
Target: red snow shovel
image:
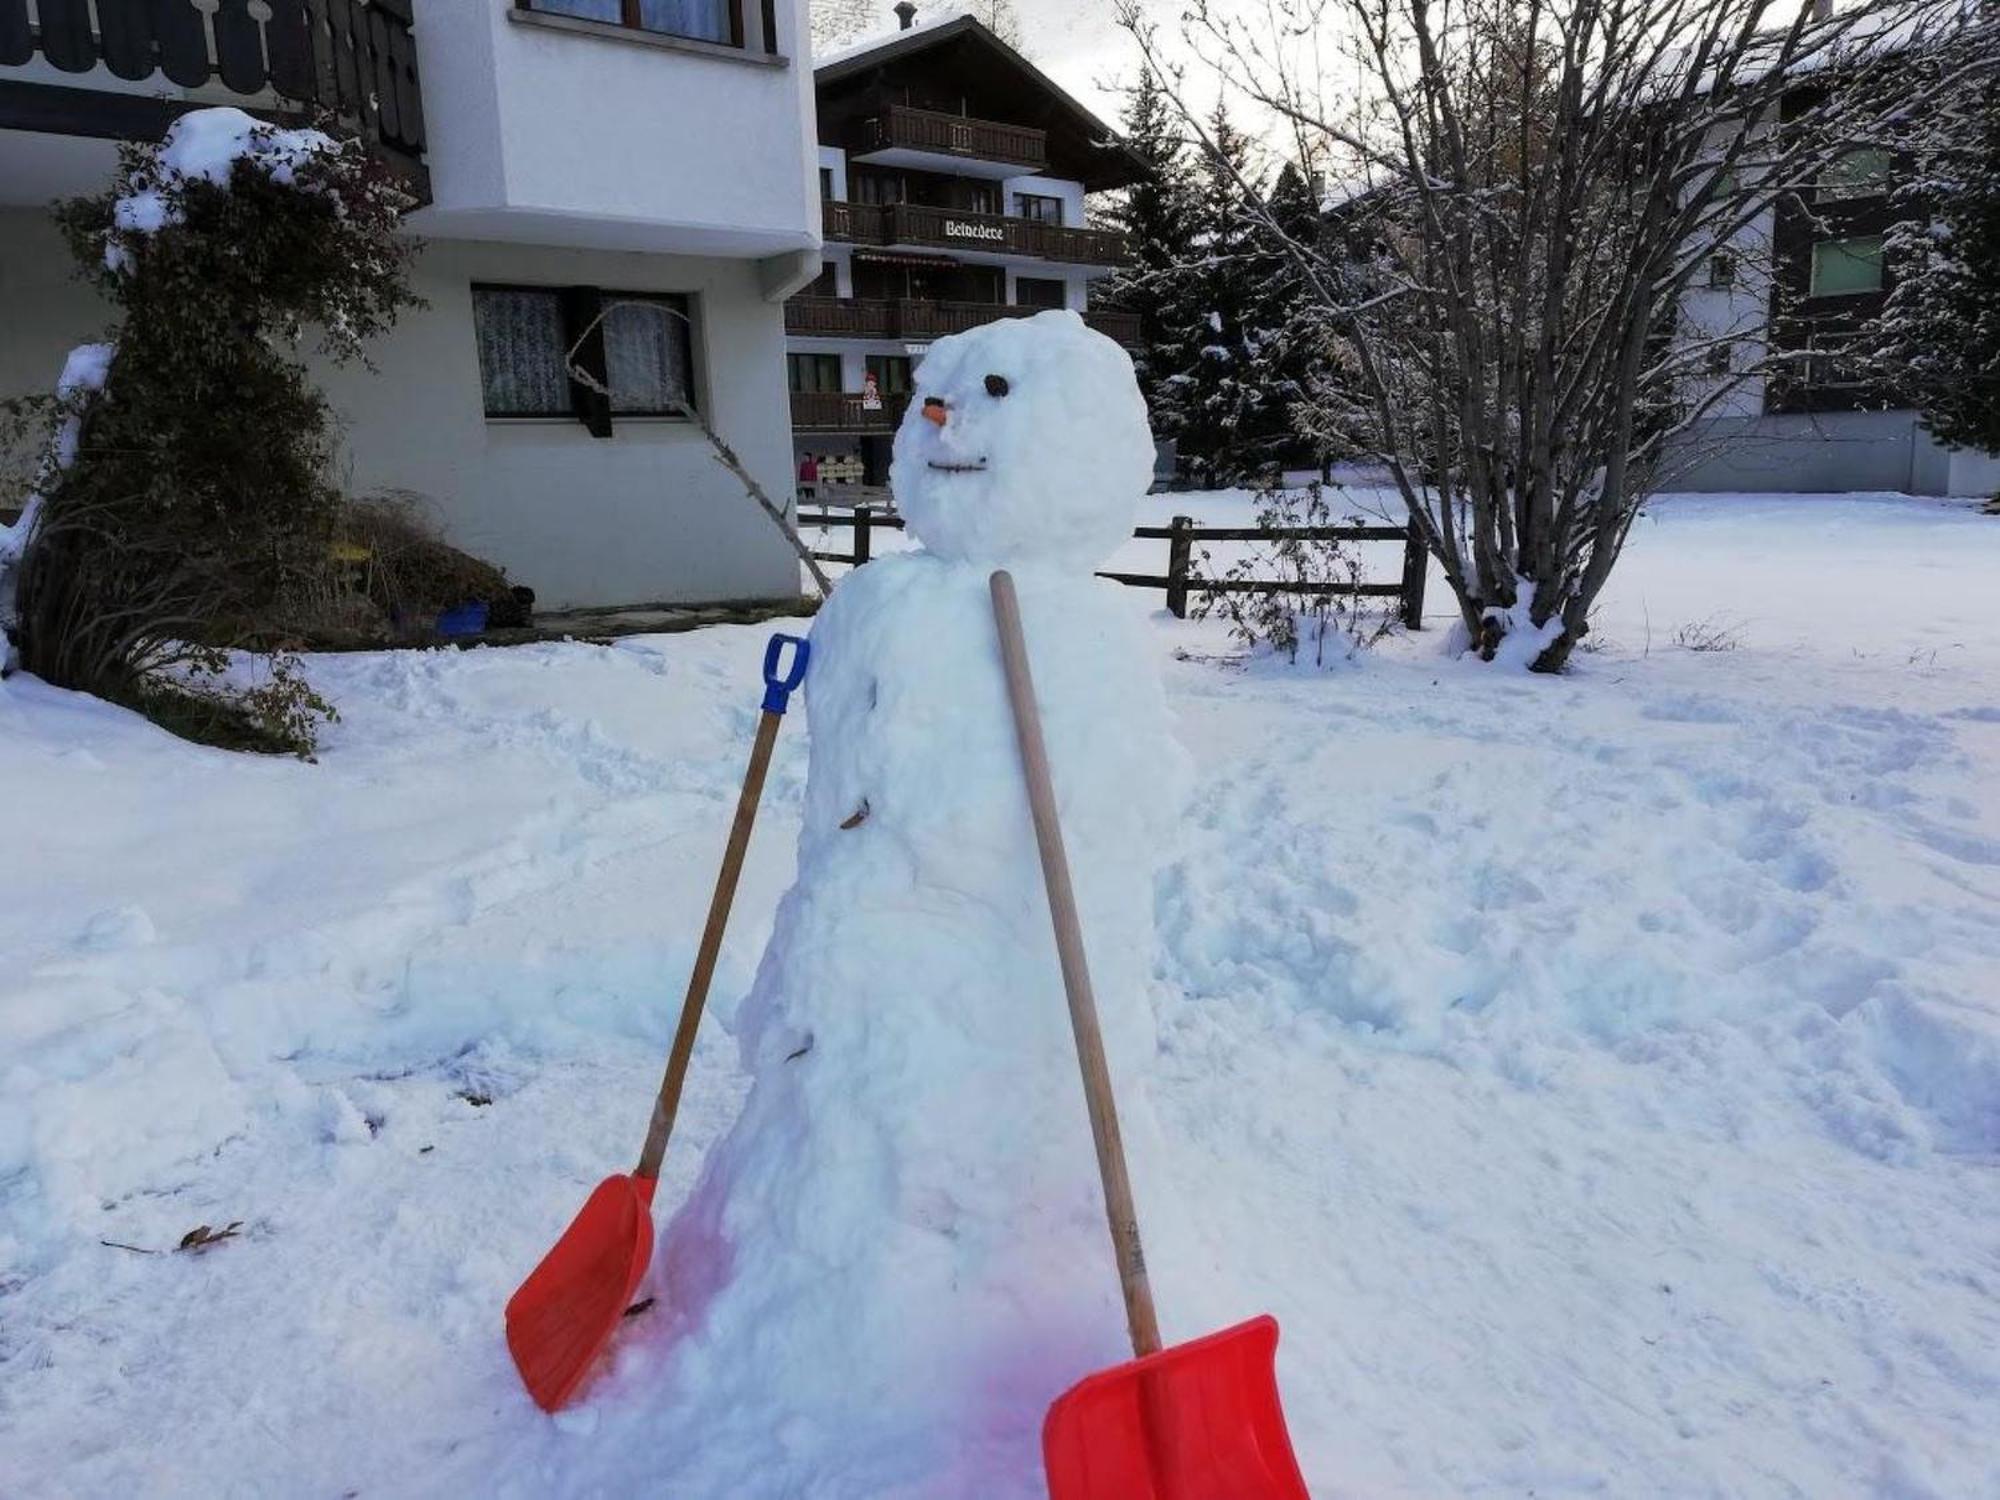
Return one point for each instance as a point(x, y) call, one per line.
point(566, 1311)
point(1199, 1421)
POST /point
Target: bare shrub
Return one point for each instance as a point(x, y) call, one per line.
point(1716, 633)
point(1319, 595)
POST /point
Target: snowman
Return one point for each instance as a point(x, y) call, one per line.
point(897, 1257)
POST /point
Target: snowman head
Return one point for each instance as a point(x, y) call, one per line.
point(1026, 442)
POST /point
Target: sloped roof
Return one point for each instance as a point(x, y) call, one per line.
point(859, 58)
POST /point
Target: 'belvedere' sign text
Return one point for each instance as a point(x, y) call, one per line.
point(959, 229)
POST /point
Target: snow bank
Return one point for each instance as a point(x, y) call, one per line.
point(1596, 1076)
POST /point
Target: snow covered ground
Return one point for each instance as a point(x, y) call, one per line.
point(1599, 1077)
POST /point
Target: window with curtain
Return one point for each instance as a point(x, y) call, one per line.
point(636, 345)
point(892, 373)
point(521, 369)
point(647, 354)
point(1846, 268)
point(813, 372)
point(702, 20)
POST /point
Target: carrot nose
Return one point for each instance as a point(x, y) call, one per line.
point(934, 411)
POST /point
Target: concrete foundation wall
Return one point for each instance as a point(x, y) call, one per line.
point(644, 515)
point(1829, 452)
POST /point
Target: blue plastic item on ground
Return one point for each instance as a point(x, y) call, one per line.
point(462, 619)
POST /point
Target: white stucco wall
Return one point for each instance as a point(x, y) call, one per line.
point(569, 136)
point(645, 515)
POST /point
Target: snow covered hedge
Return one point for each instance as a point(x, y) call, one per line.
point(189, 487)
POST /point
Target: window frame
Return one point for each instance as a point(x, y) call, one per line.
point(1721, 270)
point(879, 365)
point(794, 358)
point(1857, 189)
point(564, 413)
point(631, 18)
point(1021, 201)
point(681, 308)
point(1829, 362)
point(1060, 284)
point(1813, 287)
point(581, 313)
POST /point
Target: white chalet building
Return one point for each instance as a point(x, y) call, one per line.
point(954, 174)
point(564, 153)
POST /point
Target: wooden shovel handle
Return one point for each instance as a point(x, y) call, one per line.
point(668, 1104)
point(1118, 1207)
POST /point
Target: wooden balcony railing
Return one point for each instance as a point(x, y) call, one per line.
point(354, 58)
point(912, 318)
point(899, 127)
point(1121, 327)
point(916, 224)
point(842, 411)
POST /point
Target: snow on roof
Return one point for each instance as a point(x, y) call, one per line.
point(875, 39)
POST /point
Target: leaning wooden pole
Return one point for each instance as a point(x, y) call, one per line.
point(1119, 1210)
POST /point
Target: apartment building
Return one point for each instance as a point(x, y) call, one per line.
point(565, 155)
point(1780, 308)
point(953, 176)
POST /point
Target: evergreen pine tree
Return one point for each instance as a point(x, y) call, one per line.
point(1284, 336)
point(1157, 216)
point(1940, 330)
point(1211, 403)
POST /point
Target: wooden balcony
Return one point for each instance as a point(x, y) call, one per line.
point(354, 59)
point(930, 132)
point(842, 411)
point(911, 318)
point(918, 226)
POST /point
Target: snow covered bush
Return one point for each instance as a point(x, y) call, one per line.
point(189, 486)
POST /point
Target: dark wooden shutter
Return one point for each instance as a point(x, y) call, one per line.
point(66, 39)
point(239, 47)
point(580, 308)
point(125, 32)
point(289, 37)
point(183, 39)
point(17, 44)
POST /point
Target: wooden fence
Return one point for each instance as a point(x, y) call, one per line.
point(1180, 536)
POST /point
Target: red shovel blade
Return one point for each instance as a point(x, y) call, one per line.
point(566, 1311)
point(1199, 1421)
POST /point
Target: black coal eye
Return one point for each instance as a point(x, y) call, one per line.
point(996, 385)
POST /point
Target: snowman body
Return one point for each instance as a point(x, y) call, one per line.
point(898, 1256)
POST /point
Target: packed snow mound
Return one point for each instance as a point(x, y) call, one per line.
point(1043, 453)
point(1597, 1076)
point(898, 1256)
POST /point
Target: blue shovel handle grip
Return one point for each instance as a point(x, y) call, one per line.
point(778, 685)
